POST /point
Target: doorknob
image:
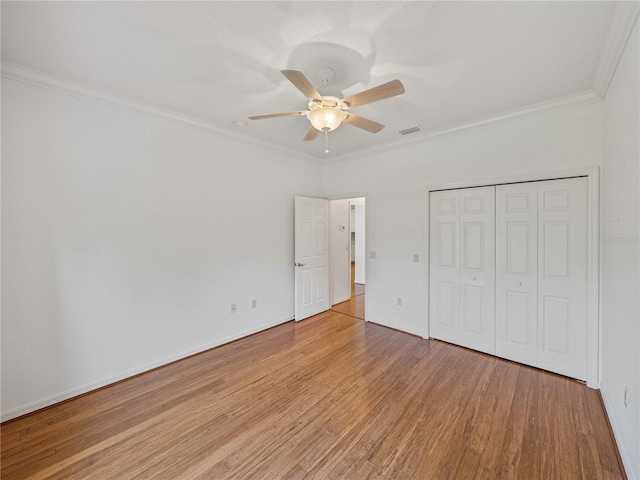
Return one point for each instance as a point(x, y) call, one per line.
point(473, 278)
point(519, 284)
point(299, 264)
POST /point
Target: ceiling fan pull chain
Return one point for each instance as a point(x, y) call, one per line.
point(326, 142)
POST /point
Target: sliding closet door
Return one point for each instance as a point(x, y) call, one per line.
point(462, 267)
point(562, 276)
point(517, 272)
point(443, 266)
point(477, 268)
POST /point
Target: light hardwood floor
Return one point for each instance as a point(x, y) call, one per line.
point(354, 306)
point(329, 397)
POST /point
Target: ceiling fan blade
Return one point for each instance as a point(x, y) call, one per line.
point(303, 84)
point(386, 90)
point(363, 123)
point(312, 133)
point(274, 115)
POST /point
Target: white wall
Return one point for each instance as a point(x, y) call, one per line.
point(125, 239)
point(340, 239)
point(395, 183)
point(621, 256)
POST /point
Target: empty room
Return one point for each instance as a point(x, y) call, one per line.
point(320, 240)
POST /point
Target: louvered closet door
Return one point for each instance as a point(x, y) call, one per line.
point(562, 276)
point(517, 272)
point(462, 267)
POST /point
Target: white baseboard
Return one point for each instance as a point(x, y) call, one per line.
point(395, 326)
point(626, 460)
point(103, 382)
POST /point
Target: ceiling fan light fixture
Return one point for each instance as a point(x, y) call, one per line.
point(326, 119)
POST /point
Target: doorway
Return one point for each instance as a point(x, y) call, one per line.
point(348, 265)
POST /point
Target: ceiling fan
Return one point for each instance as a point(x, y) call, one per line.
point(326, 113)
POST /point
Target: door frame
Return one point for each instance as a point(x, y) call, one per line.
point(353, 209)
point(367, 245)
point(594, 251)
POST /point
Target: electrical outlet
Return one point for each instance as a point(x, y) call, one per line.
point(416, 258)
point(373, 254)
point(626, 397)
point(234, 308)
point(399, 301)
point(254, 303)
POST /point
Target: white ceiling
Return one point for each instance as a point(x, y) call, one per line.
point(216, 63)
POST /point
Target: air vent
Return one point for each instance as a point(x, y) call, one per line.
point(408, 131)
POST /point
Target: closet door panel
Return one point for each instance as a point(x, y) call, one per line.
point(516, 272)
point(443, 266)
point(508, 268)
point(562, 286)
point(477, 268)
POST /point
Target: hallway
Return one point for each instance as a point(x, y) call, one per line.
point(355, 306)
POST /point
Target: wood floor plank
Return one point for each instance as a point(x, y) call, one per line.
point(567, 432)
point(356, 306)
point(511, 449)
point(330, 397)
point(607, 454)
point(353, 307)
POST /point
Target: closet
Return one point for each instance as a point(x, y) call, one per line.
point(508, 272)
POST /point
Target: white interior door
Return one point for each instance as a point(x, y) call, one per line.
point(462, 267)
point(517, 272)
point(477, 268)
point(541, 274)
point(311, 256)
point(444, 273)
point(562, 276)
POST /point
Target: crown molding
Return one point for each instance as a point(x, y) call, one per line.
point(624, 18)
point(570, 101)
point(49, 82)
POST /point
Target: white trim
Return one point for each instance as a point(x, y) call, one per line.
point(624, 18)
point(367, 234)
point(570, 101)
point(367, 249)
point(593, 278)
point(102, 97)
point(425, 264)
point(562, 103)
point(74, 89)
point(398, 327)
point(617, 434)
point(103, 382)
point(593, 250)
